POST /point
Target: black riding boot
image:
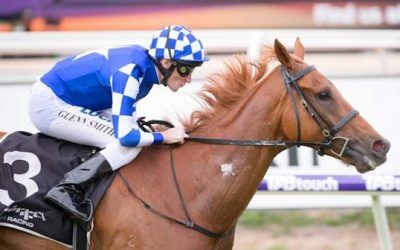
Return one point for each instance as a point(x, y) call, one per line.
point(72, 187)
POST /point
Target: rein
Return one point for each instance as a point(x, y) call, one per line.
point(261, 143)
point(327, 129)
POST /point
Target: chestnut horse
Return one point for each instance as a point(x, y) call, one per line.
point(208, 185)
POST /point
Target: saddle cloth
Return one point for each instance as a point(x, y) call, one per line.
point(30, 166)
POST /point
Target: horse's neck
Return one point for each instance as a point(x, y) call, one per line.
point(230, 175)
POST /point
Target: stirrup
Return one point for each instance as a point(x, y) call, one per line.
point(88, 203)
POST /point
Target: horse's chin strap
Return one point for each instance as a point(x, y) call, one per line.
point(330, 138)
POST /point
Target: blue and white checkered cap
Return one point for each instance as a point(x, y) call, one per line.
point(182, 44)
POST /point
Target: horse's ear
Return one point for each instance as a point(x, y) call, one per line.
point(283, 55)
point(299, 49)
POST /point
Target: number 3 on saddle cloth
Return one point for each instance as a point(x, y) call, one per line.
point(30, 166)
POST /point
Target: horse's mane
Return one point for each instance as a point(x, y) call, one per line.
point(223, 89)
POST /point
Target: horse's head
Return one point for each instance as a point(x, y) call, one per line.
point(315, 111)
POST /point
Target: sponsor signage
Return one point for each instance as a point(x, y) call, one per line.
point(306, 183)
point(21, 216)
point(128, 14)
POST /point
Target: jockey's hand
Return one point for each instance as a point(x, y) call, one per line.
point(174, 135)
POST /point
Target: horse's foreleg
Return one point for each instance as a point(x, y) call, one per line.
point(12, 239)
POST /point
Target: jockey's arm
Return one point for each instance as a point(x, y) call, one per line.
point(124, 96)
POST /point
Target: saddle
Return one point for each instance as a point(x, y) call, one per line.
point(31, 165)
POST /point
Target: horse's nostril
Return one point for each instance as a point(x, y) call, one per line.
point(380, 147)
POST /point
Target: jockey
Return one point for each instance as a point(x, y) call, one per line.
point(91, 99)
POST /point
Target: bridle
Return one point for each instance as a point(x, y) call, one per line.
point(327, 129)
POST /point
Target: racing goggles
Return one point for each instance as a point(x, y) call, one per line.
point(183, 69)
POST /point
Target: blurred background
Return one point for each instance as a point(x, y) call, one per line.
point(356, 44)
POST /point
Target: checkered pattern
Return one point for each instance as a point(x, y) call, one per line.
point(125, 89)
point(182, 44)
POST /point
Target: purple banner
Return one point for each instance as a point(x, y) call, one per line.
point(327, 183)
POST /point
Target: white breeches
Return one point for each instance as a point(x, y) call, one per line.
point(54, 117)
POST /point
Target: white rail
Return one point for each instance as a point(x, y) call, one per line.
point(216, 41)
point(371, 185)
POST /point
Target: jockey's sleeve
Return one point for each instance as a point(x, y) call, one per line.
point(125, 88)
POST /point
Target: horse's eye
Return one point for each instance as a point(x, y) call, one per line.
point(324, 95)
